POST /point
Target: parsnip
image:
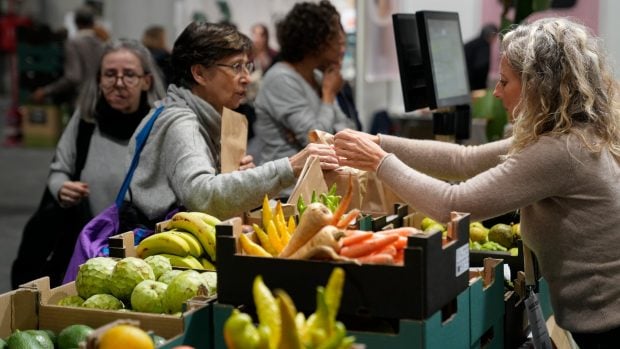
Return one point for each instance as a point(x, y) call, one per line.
point(315, 217)
point(325, 238)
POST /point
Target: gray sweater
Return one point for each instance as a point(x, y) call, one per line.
point(287, 107)
point(569, 200)
point(180, 164)
point(103, 171)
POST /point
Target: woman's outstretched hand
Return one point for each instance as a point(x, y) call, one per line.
point(325, 153)
point(358, 149)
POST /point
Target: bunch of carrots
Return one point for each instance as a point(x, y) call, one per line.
point(382, 247)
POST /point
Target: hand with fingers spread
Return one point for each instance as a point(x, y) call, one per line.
point(71, 193)
point(325, 153)
point(358, 149)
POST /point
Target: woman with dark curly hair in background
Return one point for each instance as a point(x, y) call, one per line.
point(298, 93)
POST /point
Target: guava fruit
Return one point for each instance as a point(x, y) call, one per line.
point(92, 277)
point(159, 264)
point(167, 277)
point(502, 234)
point(183, 287)
point(127, 273)
point(71, 301)
point(210, 279)
point(103, 301)
point(148, 297)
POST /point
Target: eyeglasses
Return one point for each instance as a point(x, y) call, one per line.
point(129, 78)
point(238, 67)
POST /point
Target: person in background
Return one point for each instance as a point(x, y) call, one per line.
point(298, 94)
point(478, 57)
point(264, 55)
point(114, 100)
point(81, 55)
point(180, 163)
point(154, 38)
point(560, 168)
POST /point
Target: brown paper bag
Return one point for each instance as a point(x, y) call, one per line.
point(234, 140)
point(369, 193)
point(310, 179)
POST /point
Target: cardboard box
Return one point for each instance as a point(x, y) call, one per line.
point(432, 276)
point(486, 306)
point(447, 328)
point(55, 318)
point(18, 311)
point(41, 125)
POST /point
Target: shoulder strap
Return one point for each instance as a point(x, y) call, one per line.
point(82, 144)
point(140, 142)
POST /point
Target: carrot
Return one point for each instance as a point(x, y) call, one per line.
point(389, 249)
point(348, 218)
point(357, 237)
point(379, 258)
point(252, 248)
point(402, 231)
point(264, 239)
point(315, 217)
point(344, 204)
point(400, 257)
point(267, 215)
point(401, 242)
point(368, 246)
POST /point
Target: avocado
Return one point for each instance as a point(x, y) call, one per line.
point(42, 337)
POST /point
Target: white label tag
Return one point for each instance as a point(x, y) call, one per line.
point(462, 259)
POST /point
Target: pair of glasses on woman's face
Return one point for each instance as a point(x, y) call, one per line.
point(129, 78)
point(238, 67)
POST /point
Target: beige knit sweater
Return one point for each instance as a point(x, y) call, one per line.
point(570, 210)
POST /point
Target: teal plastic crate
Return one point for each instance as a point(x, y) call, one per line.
point(198, 331)
point(486, 307)
point(431, 333)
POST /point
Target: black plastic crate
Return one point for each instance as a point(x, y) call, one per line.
point(432, 276)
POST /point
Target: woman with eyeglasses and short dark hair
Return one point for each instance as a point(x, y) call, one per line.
point(180, 163)
point(109, 108)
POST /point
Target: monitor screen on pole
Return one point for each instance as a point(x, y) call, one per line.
point(431, 60)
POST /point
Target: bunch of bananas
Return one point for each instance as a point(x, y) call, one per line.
point(273, 236)
point(281, 326)
point(188, 241)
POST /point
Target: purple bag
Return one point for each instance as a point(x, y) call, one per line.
point(94, 236)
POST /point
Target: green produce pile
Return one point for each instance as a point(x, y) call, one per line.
point(69, 338)
point(500, 237)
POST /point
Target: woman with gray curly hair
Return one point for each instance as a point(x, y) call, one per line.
point(560, 168)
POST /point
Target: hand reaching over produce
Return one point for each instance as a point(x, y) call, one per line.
point(359, 150)
point(325, 153)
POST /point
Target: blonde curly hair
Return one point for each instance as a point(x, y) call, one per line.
point(567, 85)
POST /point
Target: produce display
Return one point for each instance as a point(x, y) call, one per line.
point(323, 233)
point(281, 326)
point(131, 284)
point(187, 240)
point(500, 237)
